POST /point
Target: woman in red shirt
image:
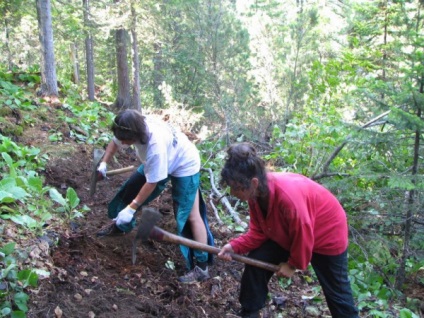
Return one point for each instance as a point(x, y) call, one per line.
point(294, 221)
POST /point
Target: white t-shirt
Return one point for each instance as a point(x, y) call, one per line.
point(168, 152)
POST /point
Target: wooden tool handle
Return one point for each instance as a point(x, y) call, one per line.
point(162, 235)
point(119, 171)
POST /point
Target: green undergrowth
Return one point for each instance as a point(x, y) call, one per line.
point(27, 203)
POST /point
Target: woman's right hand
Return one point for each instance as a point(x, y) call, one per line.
point(286, 270)
point(102, 168)
point(225, 253)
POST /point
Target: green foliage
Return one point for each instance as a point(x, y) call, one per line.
point(21, 157)
point(13, 283)
point(372, 271)
point(22, 185)
point(306, 144)
point(68, 204)
point(29, 78)
point(23, 201)
point(92, 120)
point(55, 136)
point(13, 96)
point(213, 154)
point(284, 283)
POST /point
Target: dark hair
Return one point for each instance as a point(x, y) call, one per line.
point(241, 166)
point(130, 125)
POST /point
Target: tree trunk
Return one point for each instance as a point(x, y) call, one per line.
point(385, 34)
point(9, 54)
point(48, 87)
point(136, 63)
point(157, 75)
point(123, 100)
point(74, 57)
point(89, 59)
point(411, 198)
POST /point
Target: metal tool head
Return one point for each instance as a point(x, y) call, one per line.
point(149, 218)
point(97, 156)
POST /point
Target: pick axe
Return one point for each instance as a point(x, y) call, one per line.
point(97, 176)
point(147, 229)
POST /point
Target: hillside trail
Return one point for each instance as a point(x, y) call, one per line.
point(95, 277)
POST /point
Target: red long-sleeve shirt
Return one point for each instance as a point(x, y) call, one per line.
point(302, 217)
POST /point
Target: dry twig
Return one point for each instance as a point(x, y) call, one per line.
point(224, 200)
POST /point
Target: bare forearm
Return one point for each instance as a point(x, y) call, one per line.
point(110, 151)
point(142, 196)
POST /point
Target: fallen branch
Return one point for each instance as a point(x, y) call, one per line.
point(215, 210)
point(224, 200)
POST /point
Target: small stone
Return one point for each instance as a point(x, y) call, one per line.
point(58, 312)
point(313, 311)
point(88, 291)
point(78, 297)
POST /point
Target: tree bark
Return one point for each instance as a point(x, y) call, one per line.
point(136, 64)
point(157, 75)
point(89, 55)
point(49, 86)
point(411, 198)
point(74, 57)
point(123, 100)
point(8, 52)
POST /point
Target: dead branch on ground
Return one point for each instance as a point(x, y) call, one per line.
point(224, 200)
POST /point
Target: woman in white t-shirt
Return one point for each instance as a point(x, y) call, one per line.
point(166, 154)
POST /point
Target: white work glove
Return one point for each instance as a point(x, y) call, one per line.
point(102, 168)
point(125, 216)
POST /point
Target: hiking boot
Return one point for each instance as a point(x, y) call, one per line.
point(111, 230)
point(195, 275)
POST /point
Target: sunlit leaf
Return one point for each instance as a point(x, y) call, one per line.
point(8, 248)
point(57, 196)
point(21, 300)
point(28, 277)
point(72, 196)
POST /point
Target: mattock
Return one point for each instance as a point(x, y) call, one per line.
point(148, 230)
point(97, 176)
